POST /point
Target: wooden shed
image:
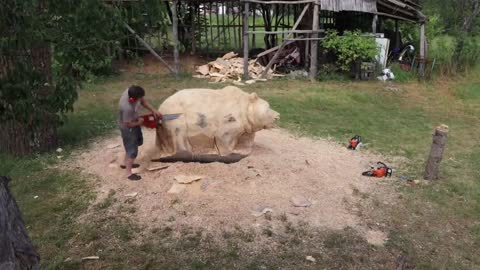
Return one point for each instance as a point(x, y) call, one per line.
point(213, 27)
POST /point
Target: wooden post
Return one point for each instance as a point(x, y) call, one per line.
point(192, 27)
point(224, 11)
point(397, 35)
point(230, 9)
point(374, 24)
point(254, 43)
point(16, 249)
point(204, 5)
point(423, 54)
point(239, 28)
point(314, 43)
point(245, 41)
point(440, 139)
point(175, 38)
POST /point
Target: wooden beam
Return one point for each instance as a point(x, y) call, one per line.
point(245, 41)
point(239, 29)
point(397, 35)
point(210, 24)
point(224, 7)
point(176, 56)
point(280, 2)
point(145, 44)
point(395, 17)
point(396, 9)
point(290, 35)
point(374, 23)
point(192, 28)
point(254, 42)
point(271, 49)
point(314, 44)
point(423, 51)
point(206, 23)
point(299, 39)
point(228, 25)
point(288, 32)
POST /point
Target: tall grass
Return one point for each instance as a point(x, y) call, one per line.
point(442, 49)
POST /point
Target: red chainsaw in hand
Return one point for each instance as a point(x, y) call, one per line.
point(150, 121)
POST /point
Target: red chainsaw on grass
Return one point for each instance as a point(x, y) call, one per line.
point(355, 142)
point(150, 121)
point(382, 170)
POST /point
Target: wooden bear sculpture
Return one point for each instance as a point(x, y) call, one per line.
point(214, 125)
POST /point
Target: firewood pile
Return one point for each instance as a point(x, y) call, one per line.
point(230, 68)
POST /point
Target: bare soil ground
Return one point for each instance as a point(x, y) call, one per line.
point(281, 167)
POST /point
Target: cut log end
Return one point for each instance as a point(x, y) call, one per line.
point(442, 129)
point(440, 138)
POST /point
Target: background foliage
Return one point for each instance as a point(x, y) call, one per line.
point(350, 47)
point(452, 32)
point(83, 36)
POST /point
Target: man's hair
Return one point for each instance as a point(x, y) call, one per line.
point(135, 92)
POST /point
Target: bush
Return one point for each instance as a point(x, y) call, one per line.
point(351, 47)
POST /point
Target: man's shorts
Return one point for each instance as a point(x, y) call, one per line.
point(132, 139)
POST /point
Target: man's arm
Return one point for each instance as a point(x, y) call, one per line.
point(147, 105)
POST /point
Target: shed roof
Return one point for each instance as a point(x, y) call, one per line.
point(369, 6)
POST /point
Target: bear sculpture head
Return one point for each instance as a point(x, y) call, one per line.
point(260, 115)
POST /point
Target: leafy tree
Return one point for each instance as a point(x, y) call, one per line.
point(28, 99)
point(350, 48)
point(72, 36)
point(84, 35)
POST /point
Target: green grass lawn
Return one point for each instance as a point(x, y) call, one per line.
point(435, 226)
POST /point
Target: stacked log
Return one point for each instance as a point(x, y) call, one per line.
point(230, 67)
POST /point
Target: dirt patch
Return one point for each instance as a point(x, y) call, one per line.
point(281, 169)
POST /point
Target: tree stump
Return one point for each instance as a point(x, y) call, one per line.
point(16, 249)
point(440, 139)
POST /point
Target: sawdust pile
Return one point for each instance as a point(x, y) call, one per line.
point(230, 67)
point(282, 173)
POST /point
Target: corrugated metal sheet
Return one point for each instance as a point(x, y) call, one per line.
point(349, 5)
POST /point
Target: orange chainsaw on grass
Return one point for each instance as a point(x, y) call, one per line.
point(381, 171)
point(355, 142)
point(150, 121)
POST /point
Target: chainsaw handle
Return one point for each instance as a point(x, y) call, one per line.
point(383, 164)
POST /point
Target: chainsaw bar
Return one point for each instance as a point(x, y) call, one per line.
point(172, 116)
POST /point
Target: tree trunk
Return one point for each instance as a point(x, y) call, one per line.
point(17, 138)
point(26, 137)
point(16, 249)
point(440, 139)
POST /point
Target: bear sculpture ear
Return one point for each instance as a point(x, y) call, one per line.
point(253, 96)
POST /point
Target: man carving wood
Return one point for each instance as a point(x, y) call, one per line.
point(130, 126)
